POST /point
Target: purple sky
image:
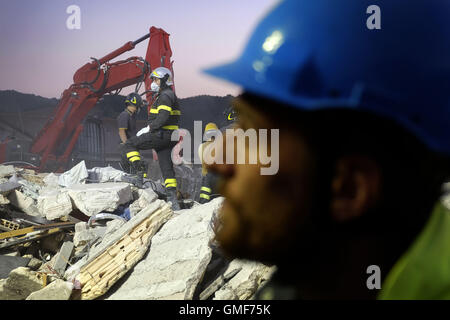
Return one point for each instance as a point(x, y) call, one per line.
point(39, 54)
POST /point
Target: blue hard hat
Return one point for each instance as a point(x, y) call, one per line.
point(388, 57)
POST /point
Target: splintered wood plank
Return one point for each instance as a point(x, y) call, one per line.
point(100, 274)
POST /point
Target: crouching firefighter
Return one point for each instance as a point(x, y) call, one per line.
point(163, 119)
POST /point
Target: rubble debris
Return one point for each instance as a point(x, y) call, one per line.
point(165, 255)
point(246, 282)
point(52, 243)
point(6, 171)
point(34, 264)
point(115, 256)
point(33, 233)
point(8, 186)
point(218, 283)
point(105, 174)
point(20, 284)
point(6, 225)
point(84, 234)
point(54, 204)
point(23, 203)
point(63, 257)
point(57, 290)
point(77, 175)
point(18, 232)
point(98, 197)
point(29, 189)
point(103, 216)
point(177, 260)
point(34, 178)
point(51, 180)
point(143, 198)
point(9, 263)
point(3, 200)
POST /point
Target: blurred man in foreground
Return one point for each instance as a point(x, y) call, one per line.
point(363, 111)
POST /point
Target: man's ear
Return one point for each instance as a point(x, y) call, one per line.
point(355, 187)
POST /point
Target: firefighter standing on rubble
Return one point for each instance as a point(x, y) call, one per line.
point(163, 119)
point(209, 179)
point(127, 118)
point(353, 212)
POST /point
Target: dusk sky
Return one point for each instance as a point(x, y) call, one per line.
point(39, 54)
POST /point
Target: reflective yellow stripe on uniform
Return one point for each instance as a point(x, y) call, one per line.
point(172, 112)
point(170, 183)
point(206, 189)
point(133, 156)
point(170, 127)
point(164, 108)
point(202, 195)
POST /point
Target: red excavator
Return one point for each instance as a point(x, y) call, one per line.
point(55, 142)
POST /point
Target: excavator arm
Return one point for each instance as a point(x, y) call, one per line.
point(56, 140)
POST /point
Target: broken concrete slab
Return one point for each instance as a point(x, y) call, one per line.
point(29, 189)
point(143, 198)
point(63, 257)
point(23, 203)
point(119, 252)
point(9, 263)
point(98, 197)
point(20, 284)
point(34, 264)
point(57, 290)
point(6, 171)
point(217, 284)
point(7, 294)
point(51, 180)
point(105, 174)
point(178, 257)
point(8, 186)
point(54, 205)
point(246, 282)
point(76, 175)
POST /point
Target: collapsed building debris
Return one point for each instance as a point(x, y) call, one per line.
point(65, 240)
point(119, 253)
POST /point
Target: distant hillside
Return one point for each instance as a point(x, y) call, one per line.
point(11, 100)
point(205, 108)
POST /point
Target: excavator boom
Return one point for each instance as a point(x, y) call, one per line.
point(55, 142)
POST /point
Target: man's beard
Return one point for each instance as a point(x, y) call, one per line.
point(234, 235)
point(287, 228)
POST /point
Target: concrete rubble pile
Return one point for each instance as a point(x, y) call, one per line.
point(86, 234)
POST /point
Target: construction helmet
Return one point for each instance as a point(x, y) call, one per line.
point(210, 130)
point(163, 73)
point(388, 57)
point(133, 99)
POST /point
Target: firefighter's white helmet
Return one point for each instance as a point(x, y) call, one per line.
point(161, 72)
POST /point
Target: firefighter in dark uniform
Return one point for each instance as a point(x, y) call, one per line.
point(208, 178)
point(126, 120)
point(208, 189)
point(163, 120)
